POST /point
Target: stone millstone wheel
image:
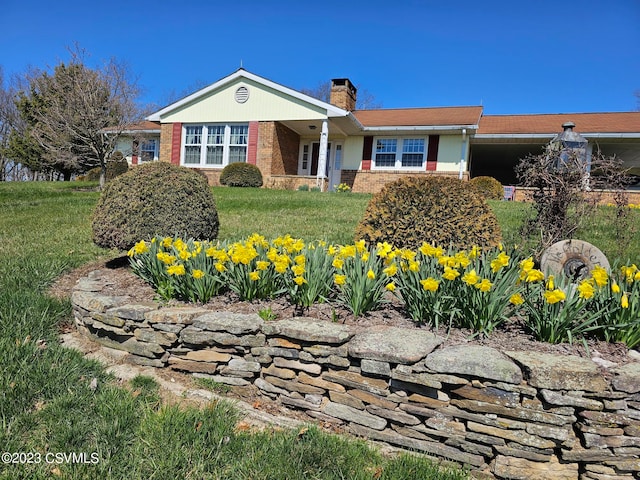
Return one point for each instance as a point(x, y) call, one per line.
point(573, 258)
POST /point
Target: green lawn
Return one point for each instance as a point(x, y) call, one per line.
point(46, 400)
point(47, 405)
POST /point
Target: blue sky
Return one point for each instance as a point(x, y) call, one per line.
point(511, 57)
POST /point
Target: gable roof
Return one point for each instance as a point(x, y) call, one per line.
point(551, 124)
point(436, 116)
point(332, 110)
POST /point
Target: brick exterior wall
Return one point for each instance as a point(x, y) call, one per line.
point(371, 181)
point(166, 135)
point(278, 148)
point(605, 197)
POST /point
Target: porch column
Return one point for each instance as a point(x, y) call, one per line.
point(322, 156)
point(463, 154)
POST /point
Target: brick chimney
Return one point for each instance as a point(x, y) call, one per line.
point(343, 94)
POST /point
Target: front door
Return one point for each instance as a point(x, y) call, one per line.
point(334, 163)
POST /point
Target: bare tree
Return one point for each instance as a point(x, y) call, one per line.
point(69, 111)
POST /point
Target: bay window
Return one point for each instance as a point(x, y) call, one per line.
point(215, 145)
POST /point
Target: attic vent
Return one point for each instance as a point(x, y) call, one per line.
point(242, 94)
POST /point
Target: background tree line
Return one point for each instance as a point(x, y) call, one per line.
point(64, 121)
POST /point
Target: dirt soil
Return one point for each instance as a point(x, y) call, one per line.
point(510, 336)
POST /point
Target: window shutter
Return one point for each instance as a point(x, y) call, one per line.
point(252, 148)
point(367, 153)
point(432, 152)
point(135, 146)
point(176, 143)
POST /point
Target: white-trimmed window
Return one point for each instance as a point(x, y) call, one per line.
point(149, 150)
point(215, 145)
point(400, 153)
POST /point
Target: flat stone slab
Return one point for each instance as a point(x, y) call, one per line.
point(560, 372)
point(234, 323)
point(96, 302)
point(394, 345)
point(179, 315)
point(627, 378)
point(475, 361)
point(310, 330)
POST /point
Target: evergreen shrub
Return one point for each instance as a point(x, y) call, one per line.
point(441, 211)
point(154, 199)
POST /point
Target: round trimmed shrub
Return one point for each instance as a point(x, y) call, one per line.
point(241, 174)
point(438, 210)
point(154, 199)
point(488, 187)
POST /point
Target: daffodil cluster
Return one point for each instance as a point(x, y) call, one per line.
point(475, 289)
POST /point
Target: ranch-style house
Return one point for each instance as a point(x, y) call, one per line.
point(298, 140)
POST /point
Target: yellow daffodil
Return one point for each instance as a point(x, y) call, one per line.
point(390, 286)
point(516, 299)
point(471, 278)
point(176, 270)
point(140, 247)
point(534, 275)
point(371, 274)
point(450, 273)
point(262, 265)
point(551, 282)
point(615, 288)
point(165, 258)
point(430, 284)
point(298, 269)
point(299, 280)
point(501, 261)
point(197, 274)
point(599, 275)
point(254, 276)
point(554, 296)
point(527, 264)
point(339, 279)
point(586, 290)
point(391, 270)
point(300, 260)
point(281, 266)
point(414, 266)
point(337, 263)
point(485, 285)
point(383, 249)
point(624, 301)
point(220, 267)
point(365, 256)
point(167, 242)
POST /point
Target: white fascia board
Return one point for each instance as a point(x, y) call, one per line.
point(524, 136)
point(498, 136)
point(419, 128)
point(332, 110)
point(611, 135)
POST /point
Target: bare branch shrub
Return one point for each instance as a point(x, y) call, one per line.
point(566, 192)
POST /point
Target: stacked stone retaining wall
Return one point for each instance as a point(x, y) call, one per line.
point(511, 415)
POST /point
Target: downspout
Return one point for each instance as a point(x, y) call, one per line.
point(463, 153)
point(322, 156)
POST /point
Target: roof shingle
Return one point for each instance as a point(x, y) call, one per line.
point(419, 116)
point(622, 122)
